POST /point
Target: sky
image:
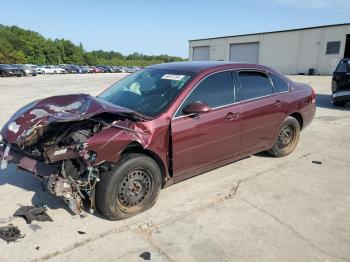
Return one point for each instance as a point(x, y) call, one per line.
point(164, 27)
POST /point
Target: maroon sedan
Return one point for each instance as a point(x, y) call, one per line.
point(158, 126)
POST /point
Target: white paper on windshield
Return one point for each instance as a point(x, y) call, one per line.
point(172, 77)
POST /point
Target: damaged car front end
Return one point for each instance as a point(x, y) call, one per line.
point(66, 141)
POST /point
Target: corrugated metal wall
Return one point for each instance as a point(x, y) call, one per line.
point(290, 52)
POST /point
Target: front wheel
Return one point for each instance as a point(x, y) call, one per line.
point(130, 188)
point(287, 138)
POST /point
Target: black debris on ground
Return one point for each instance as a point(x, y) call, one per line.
point(10, 233)
point(146, 255)
point(317, 162)
point(31, 213)
point(37, 248)
point(81, 232)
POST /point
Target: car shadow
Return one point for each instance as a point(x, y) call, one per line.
point(263, 154)
point(26, 181)
point(324, 101)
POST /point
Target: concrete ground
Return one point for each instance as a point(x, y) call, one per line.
point(257, 209)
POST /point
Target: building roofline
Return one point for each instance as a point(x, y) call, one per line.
point(270, 32)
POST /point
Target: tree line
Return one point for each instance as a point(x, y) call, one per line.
point(20, 46)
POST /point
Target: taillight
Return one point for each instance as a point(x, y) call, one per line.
point(313, 96)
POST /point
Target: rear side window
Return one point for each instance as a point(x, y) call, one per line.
point(278, 84)
point(215, 90)
point(254, 85)
point(343, 67)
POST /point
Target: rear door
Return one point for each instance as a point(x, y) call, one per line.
point(341, 76)
point(200, 142)
point(262, 111)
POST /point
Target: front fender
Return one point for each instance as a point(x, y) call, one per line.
point(110, 143)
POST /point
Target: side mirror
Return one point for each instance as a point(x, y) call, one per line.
point(196, 107)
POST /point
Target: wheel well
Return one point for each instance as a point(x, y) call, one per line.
point(135, 147)
point(298, 117)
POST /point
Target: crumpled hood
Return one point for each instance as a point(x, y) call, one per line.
point(43, 112)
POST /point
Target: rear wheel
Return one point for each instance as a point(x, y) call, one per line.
point(287, 139)
point(130, 188)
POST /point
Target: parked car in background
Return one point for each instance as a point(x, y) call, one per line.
point(131, 69)
point(85, 70)
point(96, 69)
point(70, 70)
point(26, 70)
point(158, 126)
point(9, 70)
point(89, 69)
point(38, 68)
point(52, 70)
point(102, 69)
point(120, 69)
point(341, 83)
point(107, 69)
point(77, 68)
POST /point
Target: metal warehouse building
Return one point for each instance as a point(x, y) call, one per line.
point(296, 51)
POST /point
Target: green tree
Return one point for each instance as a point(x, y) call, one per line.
point(18, 45)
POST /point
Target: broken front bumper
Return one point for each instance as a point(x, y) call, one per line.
point(57, 185)
point(8, 155)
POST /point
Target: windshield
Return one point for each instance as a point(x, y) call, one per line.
point(148, 91)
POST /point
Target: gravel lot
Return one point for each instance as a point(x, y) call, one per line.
point(257, 209)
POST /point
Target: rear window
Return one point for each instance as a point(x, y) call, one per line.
point(343, 67)
point(254, 85)
point(333, 48)
point(278, 84)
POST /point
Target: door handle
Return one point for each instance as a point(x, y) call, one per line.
point(278, 103)
point(231, 116)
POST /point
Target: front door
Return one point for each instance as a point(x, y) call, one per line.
point(200, 142)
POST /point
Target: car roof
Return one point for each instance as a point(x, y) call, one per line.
point(198, 66)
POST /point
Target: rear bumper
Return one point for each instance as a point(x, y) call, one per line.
point(11, 156)
point(341, 96)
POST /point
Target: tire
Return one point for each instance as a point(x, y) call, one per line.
point(339, 103)
point(287, 138)
point(130, 188)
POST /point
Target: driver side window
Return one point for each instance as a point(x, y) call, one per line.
point(216, 90)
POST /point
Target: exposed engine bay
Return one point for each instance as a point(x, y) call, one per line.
point(62, 144)
point(70, 144)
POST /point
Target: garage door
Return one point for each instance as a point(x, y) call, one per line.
point(247, 52)
point(200, 53)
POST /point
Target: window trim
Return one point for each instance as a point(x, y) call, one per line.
point(274, 90)
point(236, 84)
point(199, 82)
